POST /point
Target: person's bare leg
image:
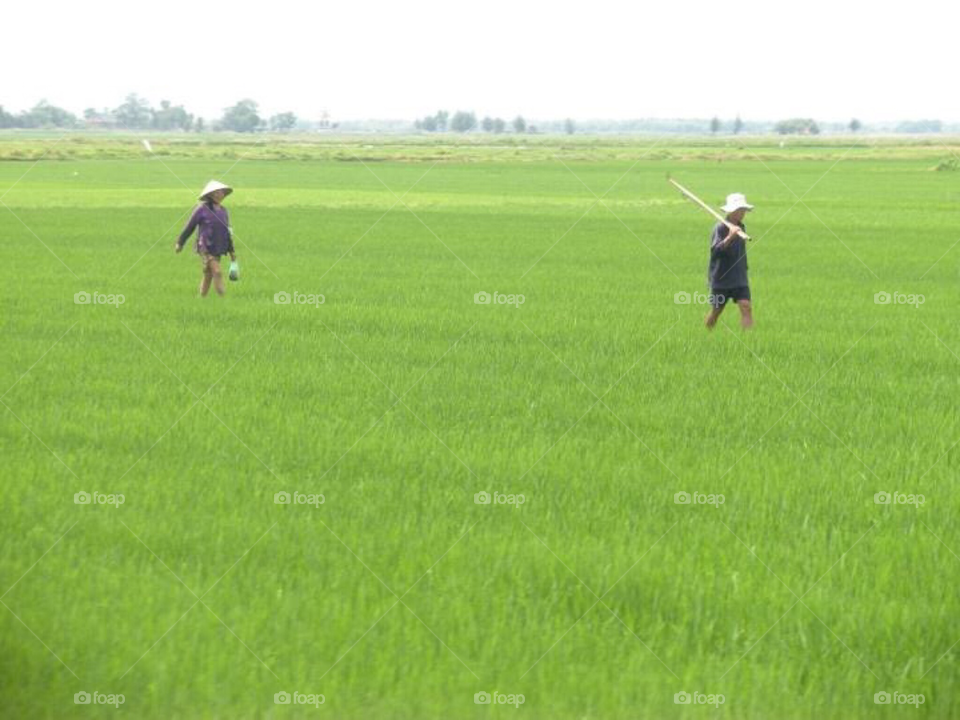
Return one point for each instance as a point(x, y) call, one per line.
point(205, 282)
point(746, 314)
point(712, 317)
point(217, 276)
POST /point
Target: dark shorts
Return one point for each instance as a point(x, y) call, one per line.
point(721, 296)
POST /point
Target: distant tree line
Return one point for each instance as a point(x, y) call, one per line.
point(716, 125)
point(920, 126)
point(797, 126)
point(462, 122)
point(42, 115)
point(137, 114)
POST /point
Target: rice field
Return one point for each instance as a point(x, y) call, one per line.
point(387, 498)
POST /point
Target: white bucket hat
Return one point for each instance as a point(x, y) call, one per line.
point(215, 185)
point(736, 201)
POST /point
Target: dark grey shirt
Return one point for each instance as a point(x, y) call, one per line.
point(728, 266)
point(212, 223)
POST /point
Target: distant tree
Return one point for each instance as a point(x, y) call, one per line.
point(519, 124)
point(737, 125)
point(855, 125)
point(161, 117)
point(326, 123)
point(532, 129)
point(499, 125)
point(198, 125)
point(442, 117)
point(569, 127)
point(920, 126)
point(418, 124)
point(797, 126)
point(170, 117)
point(99, 118)
point(487, 124)
point(463, 121)
point(715, 125)
point(134, 113)
point(284, 122)
point(429, 123)
point(43, 114)
point(242, 117)
point(6, 119)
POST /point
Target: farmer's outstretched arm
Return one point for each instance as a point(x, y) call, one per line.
point(188, 228)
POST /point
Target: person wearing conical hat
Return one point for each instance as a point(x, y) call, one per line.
point(214, 239)
point(727, 272)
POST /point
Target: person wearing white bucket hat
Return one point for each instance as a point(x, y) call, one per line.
point(727, 271)
point(214, 238)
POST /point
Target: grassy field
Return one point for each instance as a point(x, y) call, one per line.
point(399, 398)
point(31, 145)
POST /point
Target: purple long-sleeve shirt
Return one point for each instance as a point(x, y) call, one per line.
point(212, 224)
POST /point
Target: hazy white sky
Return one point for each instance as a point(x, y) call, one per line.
point(544, 60)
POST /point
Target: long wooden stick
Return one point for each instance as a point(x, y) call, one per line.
point(690, 196)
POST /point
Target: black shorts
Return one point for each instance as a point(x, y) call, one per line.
point(721, 296)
